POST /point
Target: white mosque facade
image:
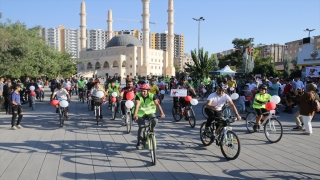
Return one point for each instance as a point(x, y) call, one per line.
point(125, 54)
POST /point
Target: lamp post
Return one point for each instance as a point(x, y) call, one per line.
point(200, 19)
point(309, 30)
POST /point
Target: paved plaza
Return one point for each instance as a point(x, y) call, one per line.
point(83, 150)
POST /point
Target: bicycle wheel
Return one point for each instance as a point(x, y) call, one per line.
point(191, 117)
point(60, 117)
point(113, 111)
point(250, 121)
point(89, 105)
point(273, 130)
point(128, 122)
point(204, 112)
point(97, 112)
point(230, 146)
point(63, 117)
point(206, 139)
point(153, 149)
point(176, 114)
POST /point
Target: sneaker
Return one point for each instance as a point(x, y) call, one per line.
point(19, 126)
point(14, 128)
point(124, 123)
point(306, 133)
point(140, 146)
point(67, 117)
point(255, 128)
point(298, 128)
point(101, 117)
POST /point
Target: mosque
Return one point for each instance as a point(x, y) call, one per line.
point(125, 54)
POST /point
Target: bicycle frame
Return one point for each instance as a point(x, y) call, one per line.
point(149, 133)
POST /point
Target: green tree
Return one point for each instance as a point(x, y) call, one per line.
point(266, 69)
point(24, 53)
point(286, 66)
point(215, 62)
point(202, 64)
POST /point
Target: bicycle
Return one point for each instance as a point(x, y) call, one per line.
point(221, 132)
point(63, 103)
point(269, 122)
point(82, 95)
point(151, 139)
point(114, 109)
point(128, 118)
point(186, 112)
point(89, 104)
point(33, 101)
point(97, 106)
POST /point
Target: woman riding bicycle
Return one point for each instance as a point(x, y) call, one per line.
point(259, 106)
point(146, 105)
point(215, 102)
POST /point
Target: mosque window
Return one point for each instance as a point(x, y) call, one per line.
point(123, 64)
point(97, 66)
point(130, 66)
point(151, 67)
point(106, 65)
point(115, 64)
point(130, 74)
point(89, 66)
point(130, 58)
point(151, 60)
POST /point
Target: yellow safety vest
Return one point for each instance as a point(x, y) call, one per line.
point(263, 98)
point(147, 106)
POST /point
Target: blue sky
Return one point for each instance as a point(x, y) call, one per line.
point(268, 21)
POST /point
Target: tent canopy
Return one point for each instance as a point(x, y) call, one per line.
point(224, 71)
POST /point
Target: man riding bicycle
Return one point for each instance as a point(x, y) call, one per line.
point(215, 102)
point(259, 106)
point(146, 105)
point(61, 93)
point(110, 90)
point(89, 86)
point(123, 96)
point(97, 87)
point(154, 89)
point(81, 85)
point(183, 84)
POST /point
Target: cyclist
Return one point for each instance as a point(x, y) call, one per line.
point(259, 106)
point(60, 92)
point(32, 83)
point(183, 84)
point(81, 85)
point(123, 96)
point(40, 83)
point(67, 84)
point(89, 86)
point(53, 85)
point(97, 87)
point(215, 102)
point(111, 89)
point(146, 105)
point(154, 89)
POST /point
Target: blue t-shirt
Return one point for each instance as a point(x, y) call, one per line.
point(16, 98)
point(275, 90)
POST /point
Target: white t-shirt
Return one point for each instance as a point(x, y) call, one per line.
point(251, 86)
point(61, 94)
point(218, 101)
point(159, 83)
point(66, 84)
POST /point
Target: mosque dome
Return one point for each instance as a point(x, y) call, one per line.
point(124, 40)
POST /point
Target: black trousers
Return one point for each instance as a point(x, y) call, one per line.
point(142, 123)
point(211, 115)
point(16, 111)
point(7, 104)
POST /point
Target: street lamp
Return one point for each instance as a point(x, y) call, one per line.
point(200, 19)
point(309, 30)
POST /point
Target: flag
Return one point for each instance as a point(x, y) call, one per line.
point(249, 49)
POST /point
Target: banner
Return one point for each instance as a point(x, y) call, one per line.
point(313, 71)
point(178, 93)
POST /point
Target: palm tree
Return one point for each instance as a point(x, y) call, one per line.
point(202, 64)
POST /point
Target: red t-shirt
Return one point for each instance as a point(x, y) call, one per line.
point(125, 90)
point(287, 89)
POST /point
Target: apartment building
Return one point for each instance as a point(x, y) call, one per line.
point(96, 39)
point(276, 51)
point(182, 60)
point(294, 47)
point(52, 36)
point(160, 41)
point(72, 41)
point(226, 52)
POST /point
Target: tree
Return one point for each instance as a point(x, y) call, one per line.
point(215, 62)
point(202, 64)
point(286, 66)
point(24, 53)
point(265, 69)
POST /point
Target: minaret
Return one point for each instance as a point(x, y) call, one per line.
point(170, 68)
point(83, 26)
point(109, 25)
point(145, 68)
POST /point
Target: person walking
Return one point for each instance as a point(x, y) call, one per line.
point(7, 89)
point(16, 107)
point(307, 111)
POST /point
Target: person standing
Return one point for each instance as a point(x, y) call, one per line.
point(7, 89)
point(16, 107)
point(1, 93)
point(273, 89)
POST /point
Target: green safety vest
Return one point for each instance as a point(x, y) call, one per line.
point(116, 89)
point(21, 87)
point(192, 84)
point(117, 84)
point(147, 106)
point(81, 84)
point(263, 98)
